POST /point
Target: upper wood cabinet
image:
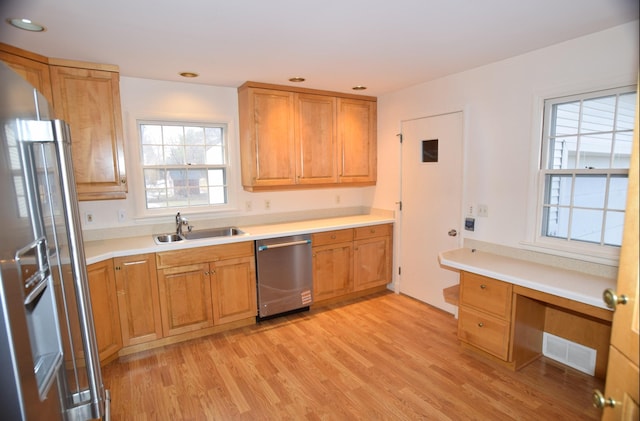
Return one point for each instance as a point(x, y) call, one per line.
point(32, 67)
point(303, 138)
point(87, 97)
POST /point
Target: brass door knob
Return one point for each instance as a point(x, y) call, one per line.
point(600, 402)
point(612, 300)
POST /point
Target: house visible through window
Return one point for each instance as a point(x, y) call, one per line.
point(585, 166)
point(183, 165)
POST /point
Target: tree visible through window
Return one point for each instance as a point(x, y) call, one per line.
point(585, 166)
point(183, 165)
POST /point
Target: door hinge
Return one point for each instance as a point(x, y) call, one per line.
point(399, 205)
point(399, 270)
point(400, 136)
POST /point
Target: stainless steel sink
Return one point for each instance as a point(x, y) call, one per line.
point(198, 234)
point(213, 232)
point(167, 238)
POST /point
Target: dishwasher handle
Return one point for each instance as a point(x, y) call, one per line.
point(278, 245)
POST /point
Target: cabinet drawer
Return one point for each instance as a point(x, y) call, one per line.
point(485, 332)
point(203, 254)
point(372, 231)
point(331, 237)
point(486, 294)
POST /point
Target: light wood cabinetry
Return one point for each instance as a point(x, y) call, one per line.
point(485, 314)
point(185, 298)
point(87, 97)
point(301, 138)
point(138, 302)
point(351, 260)
point(206, 286)
point(34, 68)
point(357, 122)
point(372, 256)
point(104, 305)
point(332, 264)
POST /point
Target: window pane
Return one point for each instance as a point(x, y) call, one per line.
point(174, 155)
point(216, 177)
point(614, 227)
point(598, 114)
point(214, 155)
point(151, 134)
point(563, 153)
point(213, 135)
point(152, 155)
point(595, 151)
point(555, 222)
point(565, 119)
point(622, 150)
point(589, 191)
point(158, 187)
point(195, 155)
point(618, 185)
point(558, 190)
point(194, 135)
point(586, 225)
point(217, 195)
point(626, 111)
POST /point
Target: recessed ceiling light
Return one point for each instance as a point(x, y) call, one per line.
point(26, 24)
point(188, 74)
point(297, 79)
point(359, 88)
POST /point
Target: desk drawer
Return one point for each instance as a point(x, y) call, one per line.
point(332, 237)
point(484, 332)
point(486, 294)
point(373, 231)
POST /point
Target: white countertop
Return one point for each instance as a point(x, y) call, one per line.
point(96, 251)
point(564, 283)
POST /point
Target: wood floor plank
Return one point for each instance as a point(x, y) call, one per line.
point(383, 357)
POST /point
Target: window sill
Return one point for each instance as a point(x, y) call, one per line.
point(608, 256)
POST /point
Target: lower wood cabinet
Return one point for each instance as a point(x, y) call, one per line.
point(351, 260)
point(104, 305)
point(233, 289)
point(185, 298)
point(206, 286)
point(372, 256)
point(138, 299)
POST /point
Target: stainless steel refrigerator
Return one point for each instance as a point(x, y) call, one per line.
point(49, 366)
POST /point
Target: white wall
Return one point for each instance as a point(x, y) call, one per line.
point(502, 104)
point(152, 99)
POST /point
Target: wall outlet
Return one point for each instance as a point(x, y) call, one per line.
point(267, 204)
point(122, 215)
point(483, 210)
point(337, 199)
point(248, 206)
point(88, 217)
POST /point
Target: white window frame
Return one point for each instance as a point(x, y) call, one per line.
point(596, 253)
point(137, 183)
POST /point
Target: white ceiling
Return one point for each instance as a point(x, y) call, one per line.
point(385, 45)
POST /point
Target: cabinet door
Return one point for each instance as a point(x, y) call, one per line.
point(372, 262)
point(234, 289)
point(267, 137)
point(33, 68)
point(357, 121)
point(332, 270)
point(89, 101)
point(137, 287)
point(185, 298)
point(104, 305)
point(315, 139)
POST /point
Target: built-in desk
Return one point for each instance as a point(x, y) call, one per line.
point(506, 304)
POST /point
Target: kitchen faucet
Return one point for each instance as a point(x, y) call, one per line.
point(180, 221)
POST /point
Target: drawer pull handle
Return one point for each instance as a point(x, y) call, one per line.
point(483, 286)
point(480, 324)
point(333, 237)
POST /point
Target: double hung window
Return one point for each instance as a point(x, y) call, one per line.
point(585, 166)
point(183, 165)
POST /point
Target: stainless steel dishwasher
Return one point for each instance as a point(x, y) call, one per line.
point(284, 273)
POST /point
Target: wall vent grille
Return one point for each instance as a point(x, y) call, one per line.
point(574, 355)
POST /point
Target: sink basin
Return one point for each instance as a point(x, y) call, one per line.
point(167, 238)
point(199, 234)
point(213, 232)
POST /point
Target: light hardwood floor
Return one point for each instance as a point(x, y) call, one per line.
point(384, 357)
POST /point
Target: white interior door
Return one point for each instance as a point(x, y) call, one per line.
point(431, 194)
